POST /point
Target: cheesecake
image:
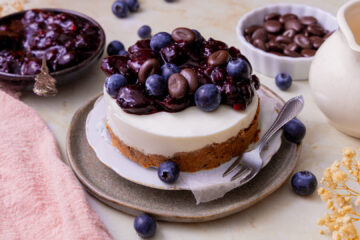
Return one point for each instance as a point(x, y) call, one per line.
point(182, 98)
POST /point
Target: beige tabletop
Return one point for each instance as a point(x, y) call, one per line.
point(281, 216)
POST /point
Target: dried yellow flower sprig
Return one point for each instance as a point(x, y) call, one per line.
point(341, 197)
point(10, 6)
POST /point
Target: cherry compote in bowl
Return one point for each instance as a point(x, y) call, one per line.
point(69, 42)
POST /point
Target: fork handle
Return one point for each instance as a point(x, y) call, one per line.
point(289, 111)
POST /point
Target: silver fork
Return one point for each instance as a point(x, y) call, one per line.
point(251, 162)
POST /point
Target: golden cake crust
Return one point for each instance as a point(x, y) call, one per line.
point(208, 157)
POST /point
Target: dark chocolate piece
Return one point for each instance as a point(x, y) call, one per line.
point(177, 85)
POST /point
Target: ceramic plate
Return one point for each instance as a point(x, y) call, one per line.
point(206, 180)
point(177, 206)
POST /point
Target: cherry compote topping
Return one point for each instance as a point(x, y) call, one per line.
point(64, 39)
point(133, 100)
point(238, 93)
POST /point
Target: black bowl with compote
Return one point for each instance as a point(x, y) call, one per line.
point(69, 41)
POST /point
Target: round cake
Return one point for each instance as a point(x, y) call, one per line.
point(182, 98)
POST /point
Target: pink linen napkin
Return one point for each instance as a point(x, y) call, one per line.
point(11, 88)
point(39, 196)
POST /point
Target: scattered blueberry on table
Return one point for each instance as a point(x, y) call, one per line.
point(304, 183)
point(144, 32)
point(207, 97)
point(133, 5)
point(115, 47)
point(155, 85)
point(283, 81)
point(145, 226)
point(120, 9)
point(294, 131)
point(168, 172)
point(114, 83)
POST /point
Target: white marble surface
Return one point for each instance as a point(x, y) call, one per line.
point(281, 216)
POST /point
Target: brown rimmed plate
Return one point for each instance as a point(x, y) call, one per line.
point(174, 206)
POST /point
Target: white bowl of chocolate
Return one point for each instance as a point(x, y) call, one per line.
point(284, 37)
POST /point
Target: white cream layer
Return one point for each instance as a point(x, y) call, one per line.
point(166, 133)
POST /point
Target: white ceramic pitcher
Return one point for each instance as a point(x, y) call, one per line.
point(335, 72)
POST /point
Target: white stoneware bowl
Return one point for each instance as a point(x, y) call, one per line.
point(270, 64)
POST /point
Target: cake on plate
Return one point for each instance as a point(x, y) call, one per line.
point(182, 98)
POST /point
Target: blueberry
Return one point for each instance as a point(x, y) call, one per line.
point(283, 81)
point(144, 32)
point(168, 172)
point(114, 48)
point(123, 52)
point(168, 69)
point(145, 226)
point(160, 40)
point(170, 1)
point(238, 69)
point(114, 83)
point(133, 5)
point(198, 35)
point(304, 183)
point(207, 97)
point(120, 9)
point(155, 86)
point(294, 131)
